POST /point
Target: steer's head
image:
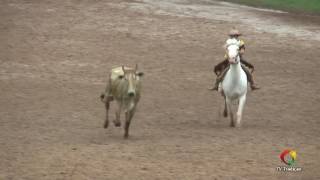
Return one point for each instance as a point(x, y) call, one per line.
point(132, 78)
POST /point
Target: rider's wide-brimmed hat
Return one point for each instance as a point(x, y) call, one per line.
point(234, 32)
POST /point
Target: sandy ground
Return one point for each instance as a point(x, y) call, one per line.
point(55, 58)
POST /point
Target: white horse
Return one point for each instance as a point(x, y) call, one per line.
point(234, 84)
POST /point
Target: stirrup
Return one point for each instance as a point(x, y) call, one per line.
point(212, 88)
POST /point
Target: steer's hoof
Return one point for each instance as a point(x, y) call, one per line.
point(232, 124)
point(106, 124)
point(225, 114)
point(117, 123)
point(126, 136)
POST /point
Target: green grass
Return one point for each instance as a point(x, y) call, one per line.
point(304, 6)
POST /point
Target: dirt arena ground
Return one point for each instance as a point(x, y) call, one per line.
point(55, 58)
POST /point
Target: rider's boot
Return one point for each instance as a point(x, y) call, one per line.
point(250, 78)
point(219, 79)
point(215, 87)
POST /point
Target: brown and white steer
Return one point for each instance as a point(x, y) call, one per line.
point(124, 86)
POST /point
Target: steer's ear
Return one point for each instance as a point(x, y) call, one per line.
point(140, 74)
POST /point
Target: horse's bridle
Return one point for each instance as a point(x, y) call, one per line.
point(237, 60)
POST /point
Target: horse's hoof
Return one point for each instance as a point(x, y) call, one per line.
point(237, 125)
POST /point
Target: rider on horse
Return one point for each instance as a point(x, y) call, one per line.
point(221, 69)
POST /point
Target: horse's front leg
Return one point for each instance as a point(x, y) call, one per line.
point(225, 111)
point(242, 101)
point(229, 105)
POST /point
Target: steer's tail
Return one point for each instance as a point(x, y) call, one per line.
point(105, 98)
point(102, 97)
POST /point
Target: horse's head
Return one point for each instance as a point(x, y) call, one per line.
point(233, 52)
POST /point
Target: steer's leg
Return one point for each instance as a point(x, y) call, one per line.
point(117, 121)
point(106, 97)
point(242, 101)
point(107, 100)
point(129, 115)
point(107, 106)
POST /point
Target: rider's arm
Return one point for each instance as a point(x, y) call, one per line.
point(242, 50)
point(242, 47)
